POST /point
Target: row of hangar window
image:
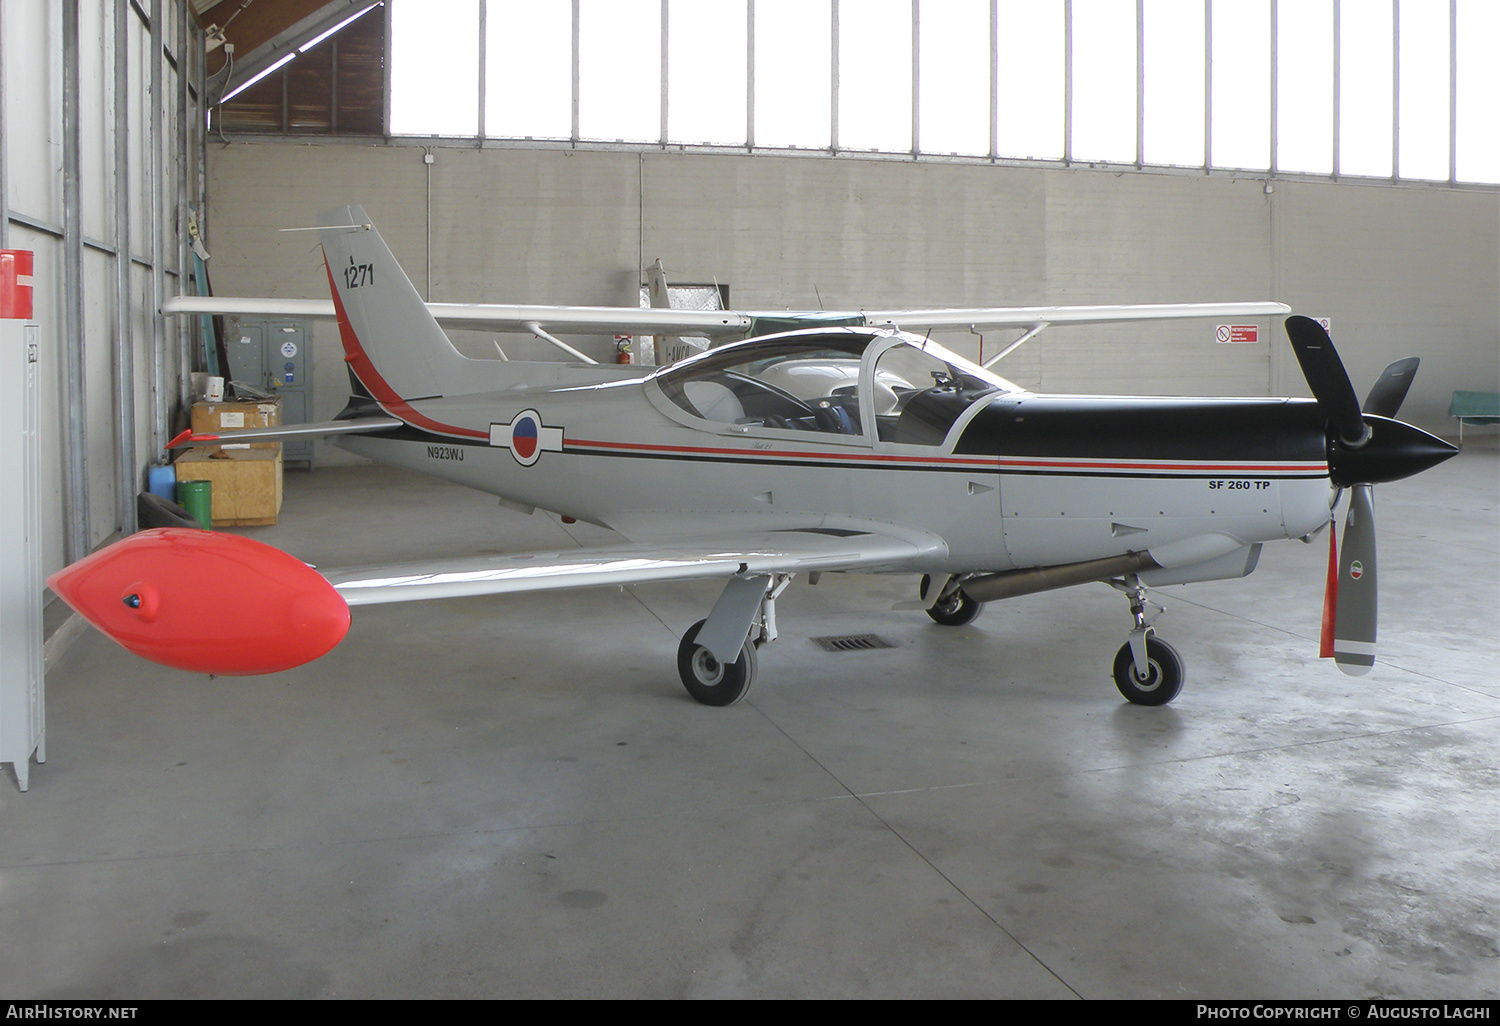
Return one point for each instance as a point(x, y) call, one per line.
point(1377, 88)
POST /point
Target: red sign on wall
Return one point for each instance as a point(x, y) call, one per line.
point(1237, 333)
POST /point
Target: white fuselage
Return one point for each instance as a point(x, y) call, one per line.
point(615, 454)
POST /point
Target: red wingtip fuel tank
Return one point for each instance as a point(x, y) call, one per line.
point(206, 602)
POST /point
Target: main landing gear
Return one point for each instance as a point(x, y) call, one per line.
point(947, 602)
point(716, 659)
point(717, 656)
point(1148, 671)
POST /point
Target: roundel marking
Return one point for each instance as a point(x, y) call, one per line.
point(523, 439)
point(527, 437)
point(1356, 570)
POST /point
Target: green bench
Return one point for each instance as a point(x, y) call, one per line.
point(1474, 408)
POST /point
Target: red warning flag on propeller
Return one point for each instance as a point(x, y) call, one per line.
point(1330, 596)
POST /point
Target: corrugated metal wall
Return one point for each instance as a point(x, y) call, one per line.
point(101, 140)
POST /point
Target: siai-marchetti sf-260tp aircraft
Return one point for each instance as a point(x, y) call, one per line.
point(856, 448)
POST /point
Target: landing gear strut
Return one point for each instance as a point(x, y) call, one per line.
point(742, 620)
point(1148, 671)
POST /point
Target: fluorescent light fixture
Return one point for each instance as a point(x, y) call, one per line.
point(240, 89)
point(318, 39)
point(301, 49)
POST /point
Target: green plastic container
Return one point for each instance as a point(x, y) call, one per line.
point(197, 497)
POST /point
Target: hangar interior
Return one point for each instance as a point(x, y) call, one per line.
point(511, 797)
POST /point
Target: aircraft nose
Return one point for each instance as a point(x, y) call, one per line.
point(1394, 450)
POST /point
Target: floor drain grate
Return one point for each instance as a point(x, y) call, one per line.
point(851, 642)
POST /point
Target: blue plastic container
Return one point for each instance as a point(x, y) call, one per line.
point(162, 481)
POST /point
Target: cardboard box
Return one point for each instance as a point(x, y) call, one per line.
point(214, 418)
point(246, 483)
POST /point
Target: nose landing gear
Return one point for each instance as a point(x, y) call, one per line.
point(1147, 670)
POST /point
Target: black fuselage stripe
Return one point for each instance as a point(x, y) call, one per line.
point(1185, 474)
point(418, 435)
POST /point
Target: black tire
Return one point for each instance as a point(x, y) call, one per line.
point(151, 510)
point(708, 680)
point(955, 610)
point(1163, 681)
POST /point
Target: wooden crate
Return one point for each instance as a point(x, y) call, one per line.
point(246, 483)
point(214, 418)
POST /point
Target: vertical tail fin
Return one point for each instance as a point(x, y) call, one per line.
point(391, 342)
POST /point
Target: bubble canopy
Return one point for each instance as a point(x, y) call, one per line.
point(859, 383)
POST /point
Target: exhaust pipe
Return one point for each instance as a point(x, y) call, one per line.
point(1010, 583)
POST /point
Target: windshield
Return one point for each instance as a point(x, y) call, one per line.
point(936, 388)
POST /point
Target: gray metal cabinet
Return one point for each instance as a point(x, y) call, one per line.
point(273, 355)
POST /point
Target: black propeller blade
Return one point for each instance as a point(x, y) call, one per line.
point(1390, 390)
point(1327, 378)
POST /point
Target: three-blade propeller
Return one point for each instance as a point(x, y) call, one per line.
point(1328, 380)
point(1350, 609)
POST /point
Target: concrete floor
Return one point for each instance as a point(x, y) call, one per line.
point(515, 798)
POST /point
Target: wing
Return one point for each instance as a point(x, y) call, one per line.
point(1041, 316)
point(222, 603)
point(772, 552)
point(577, 320)
point(593, 320)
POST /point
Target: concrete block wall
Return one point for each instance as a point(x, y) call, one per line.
point(1399, 269)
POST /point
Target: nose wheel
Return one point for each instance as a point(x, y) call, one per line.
point(1162, 680)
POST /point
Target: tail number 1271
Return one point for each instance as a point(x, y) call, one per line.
point(356, 275)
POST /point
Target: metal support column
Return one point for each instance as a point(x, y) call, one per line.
point(833, 73)
point(127, 484)
point(1068, 81)
point(77, 533)
point(750, 75)
point(159, 394)
point(663, 84)
point(575, 84)
point(916, 78)
point(4, 132)
point(181, 213)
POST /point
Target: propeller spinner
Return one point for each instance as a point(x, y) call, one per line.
point(1365, 447)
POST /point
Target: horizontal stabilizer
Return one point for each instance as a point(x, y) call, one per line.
point(323, 429)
